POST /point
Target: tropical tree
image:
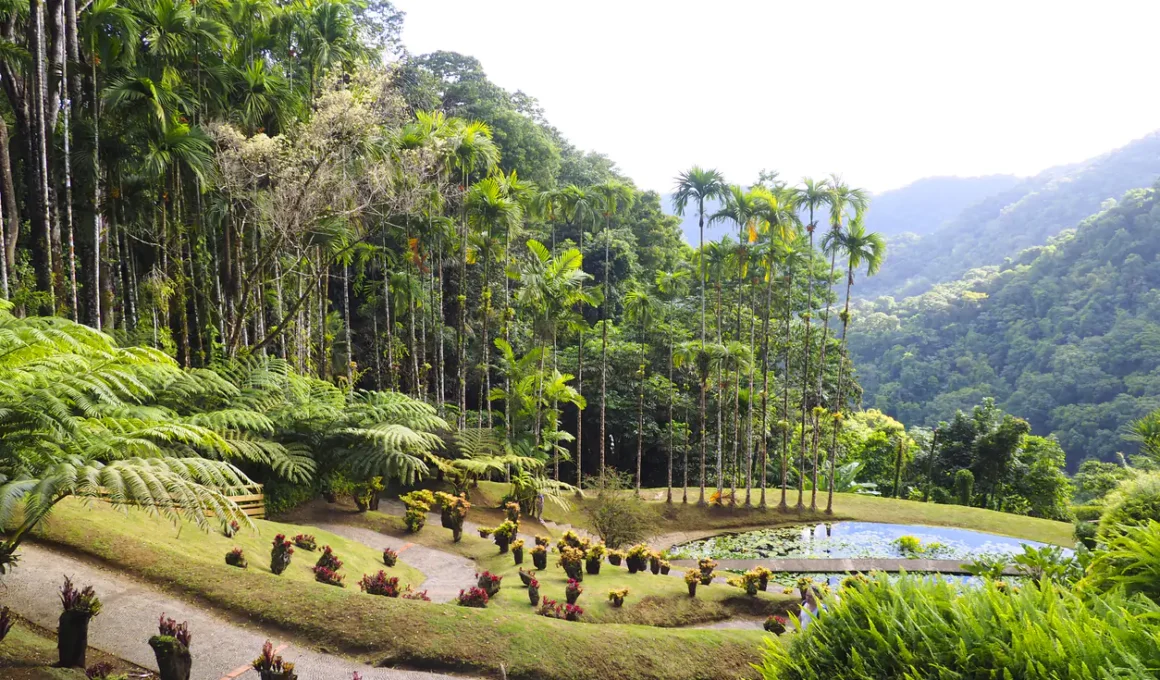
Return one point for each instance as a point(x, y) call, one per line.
point(696, 185)
point(861, 249)
point(641, 307)
point(672, 286)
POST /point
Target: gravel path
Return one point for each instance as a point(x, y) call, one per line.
point(220, 647)
point(446, 573)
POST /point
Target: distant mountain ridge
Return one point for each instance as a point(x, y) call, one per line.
point(922, 206)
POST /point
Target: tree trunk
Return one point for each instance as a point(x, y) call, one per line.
point(785, 389)
point(838, 402)
point(604, 354)
point(821, 375)
point(806, 370)
point(68, 210)
point(11, 209)
point(669, 476)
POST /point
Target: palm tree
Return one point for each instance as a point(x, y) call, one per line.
point(640, 307)
point(489, 210)
point(672, 286)
point(714, 262)
point(779, 219)
point(612, 197)
point(698, 185)
point(861, 249)
point(811, 196)
point(577, 207)
point(842, 198)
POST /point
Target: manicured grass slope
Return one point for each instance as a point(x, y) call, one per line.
point(394, 631)
point(708, 520)
point(28, 653)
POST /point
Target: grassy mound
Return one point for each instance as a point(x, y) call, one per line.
point(393, 631)
point(29, 652)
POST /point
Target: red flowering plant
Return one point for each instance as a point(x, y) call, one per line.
point(230, 528)
point(329, 560)
point(306, 542)
point(550, 608)
point(776, 624)
point(572, 590)
point(380, 584)
point(533, 591)
point(409, 594)
point(280, 554)
point(329, 577)
point(473, 597)
point(390, 557)
point(270, 666)
point(236, 558)
point(489, 582)
point(572, 612)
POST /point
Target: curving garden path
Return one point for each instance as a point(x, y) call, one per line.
point(222, 649)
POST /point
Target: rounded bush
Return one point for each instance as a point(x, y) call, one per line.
point(1132, 504)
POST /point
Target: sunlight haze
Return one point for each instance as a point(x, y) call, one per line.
point(884, 93)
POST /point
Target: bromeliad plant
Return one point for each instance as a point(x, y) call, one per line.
point(171, 649)
point(80, 606)
point(270, 666)
point(573, 590)
point(236, 558)
point(380, 584)
point(489, 582)
point(280, 554)
point(306, 542)
point(472, 597)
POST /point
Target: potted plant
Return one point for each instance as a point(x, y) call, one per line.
point(654, 562)
point(549, 608)
point(749, 582)
point(665, 567)
point(637, 558)
point(571, 539)
point(526, 577)
point(543, 540)
point(270, 666)
point(540, 557)
point(572, 560)
point(280, 554)
point(230, 529)
point(763, 576)
point(380, 584)
point(489, 582)
point(511, 511)
point(804, 584)
point(707, 578)
point(706, 565)
point(390, 557)
point(484, 532)
point(572, 591)
point(775, 624)
point(409, 594)
point(329, 559)
point(518, 550)
point(306, 542)
point(572, 612)
point(445, 500)
point(171, 649)
point(692, 578)
point(366, 494)
point(594, 558)
point(236, 558)
point(328, 576)
point(616, 596)
point(72, 641)
point(503, 535)
point(472, 597)
point(533, 591)
point(615, 557)
point(418, 504)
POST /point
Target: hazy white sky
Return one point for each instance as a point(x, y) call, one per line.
point(883, 92)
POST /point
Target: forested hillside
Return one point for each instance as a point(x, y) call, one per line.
point(922, 206)
point(1067, 336)
point(1007, 222)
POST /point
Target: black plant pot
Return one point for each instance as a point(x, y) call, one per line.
point(592, 566)
point(518, 555)
point(270, 675)
point(571, 596)
point(692, 589)
point(614, 560)
point(73, 639)
point(534, 596)
point(526, 578)
point(503, 544)
point(375, 502)
point(655, 567)
point(173, 660)
point(635, 564)
point(445, 519)
point(540, 560)
point(763, 583)
point(456, 534)
point(574, 572)
point(665, 569)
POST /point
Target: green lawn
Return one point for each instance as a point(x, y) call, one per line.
point(395, 631)
point(708, 520)
point(28, 653)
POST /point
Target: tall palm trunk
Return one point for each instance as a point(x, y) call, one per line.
point(604, 353)
point(391, 383)
point(722, 395)
point(669, 482)
point(806, 367)
point(485, 383)
point(765, 379)
point(704, 378)
point(461, 331)
point(580, 382)
point(821, 374)
point(68, 211)
point(785, 388)
point(749, 420)
point(640, 410)
point(38, 153)
point(841, 385)
point(10, 209)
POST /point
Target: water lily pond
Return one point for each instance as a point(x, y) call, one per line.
point(853, 540)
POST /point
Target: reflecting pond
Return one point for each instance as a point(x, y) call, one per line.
point(852, 540)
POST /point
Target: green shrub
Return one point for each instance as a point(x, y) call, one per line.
point(1130, 560)
point(964, 486)
point(1134, 503)
point(1085, 533)
point(1087, 513)
point(280, 496)
point(926, 628)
